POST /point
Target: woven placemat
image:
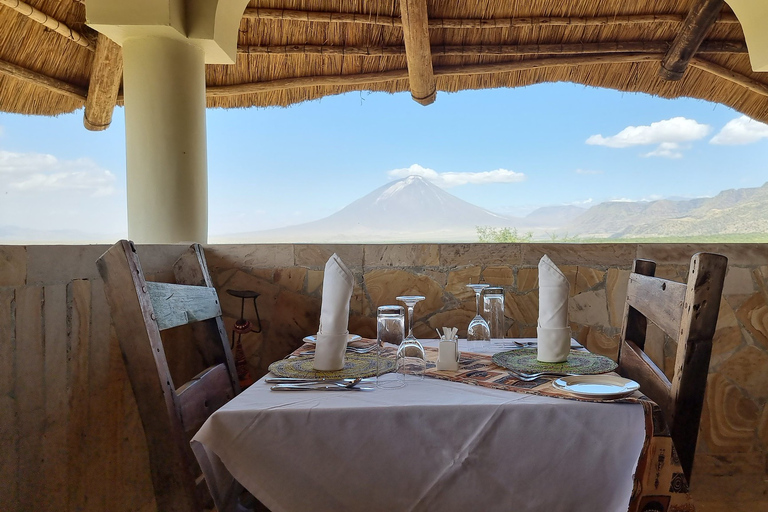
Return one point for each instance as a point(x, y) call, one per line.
point(578, 362)
point(355, 365)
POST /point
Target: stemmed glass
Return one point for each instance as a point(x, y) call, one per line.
point(411, 357)
point(478, 330)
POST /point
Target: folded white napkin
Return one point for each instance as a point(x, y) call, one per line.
point(554, 334)
point(331, 346)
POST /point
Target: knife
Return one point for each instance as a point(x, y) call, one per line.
point(296, 380)
point(320, 387)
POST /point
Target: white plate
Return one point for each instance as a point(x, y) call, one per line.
point(597, 386)
point(350, 338)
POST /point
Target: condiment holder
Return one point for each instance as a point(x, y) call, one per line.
point(448, 354)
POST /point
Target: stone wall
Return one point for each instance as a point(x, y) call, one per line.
point(65, 399)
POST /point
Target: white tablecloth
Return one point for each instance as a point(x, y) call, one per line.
point(432, 445)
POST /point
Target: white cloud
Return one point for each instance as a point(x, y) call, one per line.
point(587, 171)
point(668, 134)
point(677, 129)
point(739, 131)
point(454, 179)
point(38, 172)
point(667, 150)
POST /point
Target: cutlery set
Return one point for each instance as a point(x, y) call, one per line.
point(295, 384)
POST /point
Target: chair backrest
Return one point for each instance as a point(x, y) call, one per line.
point(687, 313)
point(170, 414)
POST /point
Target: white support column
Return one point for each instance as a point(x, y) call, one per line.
point(167, 168)
point(166, 44)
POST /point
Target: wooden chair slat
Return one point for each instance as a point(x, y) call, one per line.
point(192, 269)
point(659, 300)
point(694, 347)
point(636, 365)
point(203, 395)
point(177, 304)
point(688, 313)
point(140, 309)
point(142, 348)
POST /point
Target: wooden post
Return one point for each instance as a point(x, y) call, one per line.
point(417, 50)
point(106, 75)
point(697, 24)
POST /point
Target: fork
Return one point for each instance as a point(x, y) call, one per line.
point(529, 377)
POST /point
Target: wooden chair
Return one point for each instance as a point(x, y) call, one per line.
point(687, 313)
point(170, 415)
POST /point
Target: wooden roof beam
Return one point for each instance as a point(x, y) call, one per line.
point(106, 75)
point(469, 23)
point(401, 74)
point(413, 14)
point(39, 79)
point(363, 79)
point(48, 22)
point(696, 26)
point(732, 47)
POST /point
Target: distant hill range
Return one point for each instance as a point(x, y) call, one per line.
point(729, 212)
point(415, 210)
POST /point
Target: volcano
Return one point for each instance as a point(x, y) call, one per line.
point(408, 210)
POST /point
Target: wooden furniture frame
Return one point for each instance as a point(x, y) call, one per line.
point(170, 415)
point(688, 314)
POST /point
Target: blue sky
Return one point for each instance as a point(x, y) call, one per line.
point(540, 145)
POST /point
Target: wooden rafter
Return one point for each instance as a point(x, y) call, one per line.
point(413, 14)
point(499, 49)
point(106, 75)
point(732, 76)
point(400, 74)
point(220, 91)
point(47, 21)
point(472, 23)
point(696, 26)
point(475, 69)
point(50, 83)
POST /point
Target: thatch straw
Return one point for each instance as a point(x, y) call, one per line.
point(288, 56)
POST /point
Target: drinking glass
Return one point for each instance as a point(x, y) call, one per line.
point(478, 331)
point(411, 357)
point(390, 329)
point(493, 311)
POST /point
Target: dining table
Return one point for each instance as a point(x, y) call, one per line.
point(476, 439)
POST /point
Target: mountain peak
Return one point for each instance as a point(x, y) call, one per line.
point(412, 183)
point(414, 178)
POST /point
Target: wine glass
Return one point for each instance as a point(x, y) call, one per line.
point(411, 357)
point(478, 332)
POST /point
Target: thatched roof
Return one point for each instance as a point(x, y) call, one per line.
point(291, 51)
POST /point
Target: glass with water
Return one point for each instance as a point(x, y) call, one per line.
point(390, 331)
